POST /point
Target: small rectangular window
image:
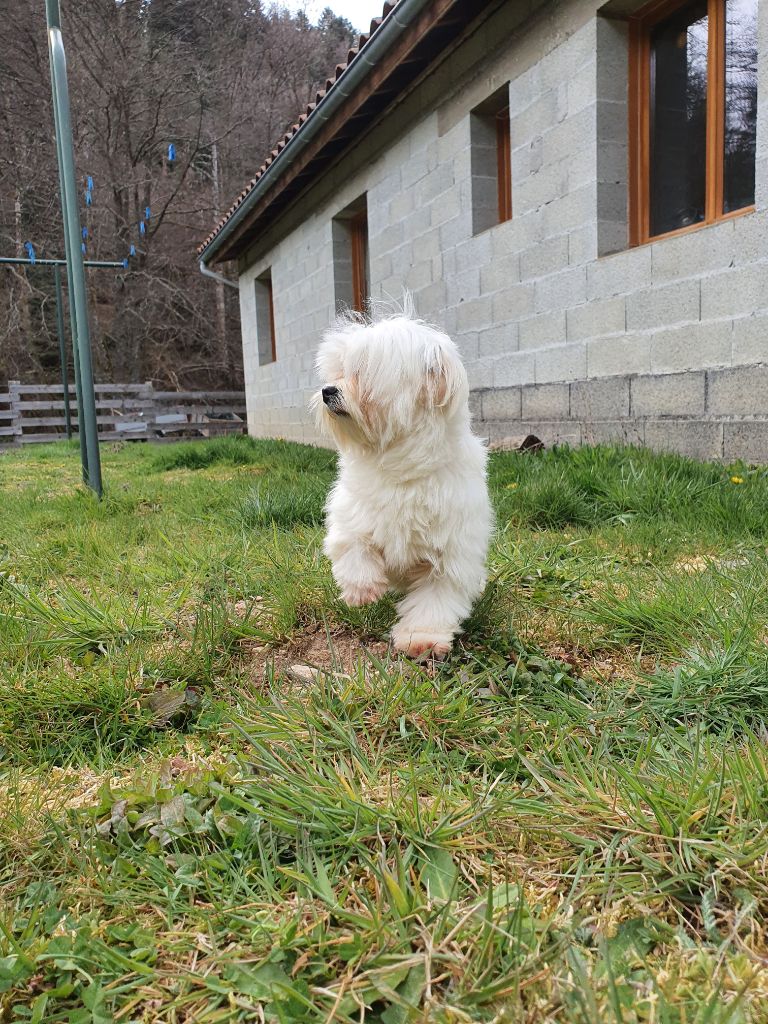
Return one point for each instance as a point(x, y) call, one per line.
point(693, 116)
point(265, 318)
point(351, 257)
point(491, 151)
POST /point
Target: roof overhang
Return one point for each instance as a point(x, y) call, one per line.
point(409, 39)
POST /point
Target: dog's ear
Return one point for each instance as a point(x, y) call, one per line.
point(443, 380)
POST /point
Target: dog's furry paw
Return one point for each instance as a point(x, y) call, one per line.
point(357, 594)
point(418, 645)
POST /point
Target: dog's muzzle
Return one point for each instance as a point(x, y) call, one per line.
point(332, 400)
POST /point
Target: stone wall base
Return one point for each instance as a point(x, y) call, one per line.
point(705, 414)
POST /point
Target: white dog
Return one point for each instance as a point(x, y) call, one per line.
point(410, 509)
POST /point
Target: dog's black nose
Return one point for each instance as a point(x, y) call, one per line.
point(329, 393)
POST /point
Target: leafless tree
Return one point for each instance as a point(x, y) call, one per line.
point(219, 80)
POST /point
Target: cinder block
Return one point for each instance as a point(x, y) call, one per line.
point(547, 257)
point(425, 246)
point(536, 117)
point(513, 302)
point(472, 253)
point(496, 341)
point(601, 399)
point(737, 292)
point(570, 211)
point(662, 306)
point(595, 318)
point(750, 340)
point(534, 191)
point(476, 404)
point(437, 181)
point(562, 290)
point(695, 346)
point(464, 286)
point(561, 363)
point(444, 207)
point(750, 237)
point(502, 404)
point(613, 432)
point(583, 244)
point(747, 441)
point(546, 401)
point(580, 89)
point(620, 354)
point(619, 273)
point(690, 255)
point(499, 273)
point(543, 329)
point(475, 314)
point(513, 368)
point(739, 391)
point(669, 394)
point(480, 374)
point(569, 136)
point(468, 346)
point(698, 439)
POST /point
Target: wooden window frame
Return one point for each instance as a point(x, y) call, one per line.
point(640, 26)
point(271, 301)
point(358, 230)
point(504, 164)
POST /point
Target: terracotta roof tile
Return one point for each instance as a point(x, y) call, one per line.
point(282, 143)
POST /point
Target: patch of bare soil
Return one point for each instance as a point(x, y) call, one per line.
point(602, 665)
point(327, 649)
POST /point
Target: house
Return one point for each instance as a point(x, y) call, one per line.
point(576, 191)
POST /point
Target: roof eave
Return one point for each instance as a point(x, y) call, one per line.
point(394, 25)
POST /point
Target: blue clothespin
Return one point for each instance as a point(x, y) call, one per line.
point(30, 252)
point(142, 228)
point(85, 233)
point(83, 247)
point(132, 251)
point(88, 198)
point(171, 153)
point(89, 183)
point(125, 262)
point(147, 213)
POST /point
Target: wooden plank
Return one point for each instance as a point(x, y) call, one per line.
point(58, 421)
point(55, 403)
point(109, 435)
point(53, 389)
point(203, 410)
point(201, 396)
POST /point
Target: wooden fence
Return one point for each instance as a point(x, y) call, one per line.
point(32, 413)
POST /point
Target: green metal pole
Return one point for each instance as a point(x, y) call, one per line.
point(72, 307)
point(87, 426)
point(62, 349)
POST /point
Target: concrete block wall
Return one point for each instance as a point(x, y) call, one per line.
point(559, 323)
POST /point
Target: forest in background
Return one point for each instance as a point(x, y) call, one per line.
point(217, 80)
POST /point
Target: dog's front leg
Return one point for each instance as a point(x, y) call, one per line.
point(430, 616)
point(358, 570)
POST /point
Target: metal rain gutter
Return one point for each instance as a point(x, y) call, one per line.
point(217, 277)
point(393, 26)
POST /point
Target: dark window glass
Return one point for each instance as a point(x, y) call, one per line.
point(740, 104)
point(678, 119)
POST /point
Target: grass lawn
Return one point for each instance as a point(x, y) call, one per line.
point(567, 821)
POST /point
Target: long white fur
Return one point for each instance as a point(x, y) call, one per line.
point(409, 510)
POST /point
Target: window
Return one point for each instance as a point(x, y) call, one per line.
point(350, 257)
point(693, 105)
point(265, 318)
point(491, 148)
